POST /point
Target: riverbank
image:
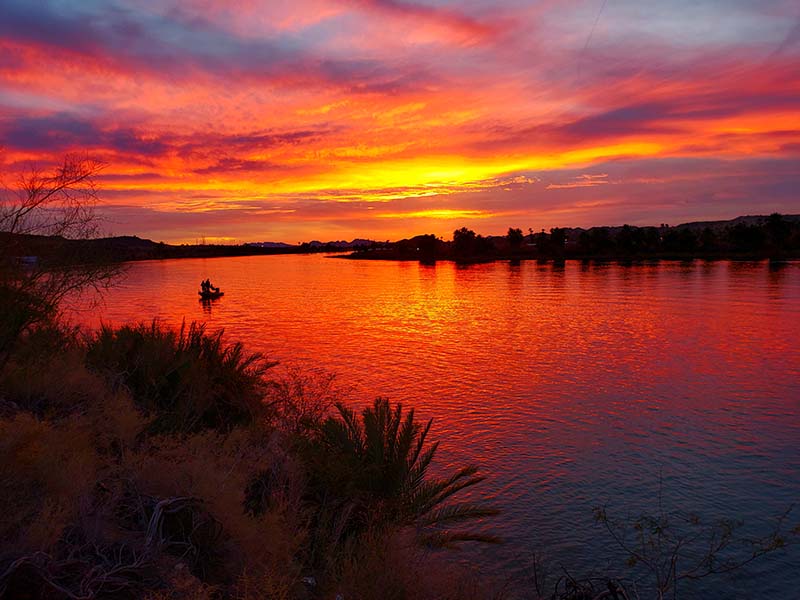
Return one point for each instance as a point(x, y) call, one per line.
point(146, 462)
point(616, 258)
point(774, 237)
point(131, 249)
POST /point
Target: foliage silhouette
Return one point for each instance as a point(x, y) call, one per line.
point(464, 242)
point(673, 546)
point(515, 238)
point(58, 205)
point(385, 462)
point(187, 380)
point(749, 237)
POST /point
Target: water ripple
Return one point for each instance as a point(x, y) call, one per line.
point(572, 386)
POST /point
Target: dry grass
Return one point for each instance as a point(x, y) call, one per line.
point(46, 476)
point(52, 387)
point(392, 567)
point(218, 469)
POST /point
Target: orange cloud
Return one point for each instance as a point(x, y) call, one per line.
point(302, 116)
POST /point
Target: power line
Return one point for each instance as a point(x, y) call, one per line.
point(594, 26)
point(589, 38)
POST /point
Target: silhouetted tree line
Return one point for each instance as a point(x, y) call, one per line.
point(775, 236)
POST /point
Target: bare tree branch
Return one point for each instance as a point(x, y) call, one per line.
point(46, 222)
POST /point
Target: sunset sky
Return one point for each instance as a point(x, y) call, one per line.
point(330, 119)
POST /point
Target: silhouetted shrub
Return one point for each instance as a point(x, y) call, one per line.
point(186, 380)
point(746, 238)
point(302, 399)
point(373, 471)
point(514, 238)
point(463, 242)
point(20, 311)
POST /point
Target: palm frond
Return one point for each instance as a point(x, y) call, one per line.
point(458, 513)
point(431, 493)
point(420, 443)
point(405, 440)
point(343, 434)
point(417, 473)
point(387, 457)
point(450, 540)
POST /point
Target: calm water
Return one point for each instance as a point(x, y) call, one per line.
point(572, 386)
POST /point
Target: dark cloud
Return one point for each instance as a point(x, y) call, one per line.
point(481, 30)
point(671, 115)
point(627, 120)
point(51, 132)
point(39, 23)
point(60, 132)
point(792, 148)
point(178, 47)
point(123, 177)
point(791, 39)
point(236, 165)
point(11, 59)
point(662, 117)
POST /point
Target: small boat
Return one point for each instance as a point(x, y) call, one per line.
point(210, 295)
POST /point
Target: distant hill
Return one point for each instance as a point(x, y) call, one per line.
point(344, 245)
point(341, 244)
point(132, 248)
point(750, 220)
point(270, 245)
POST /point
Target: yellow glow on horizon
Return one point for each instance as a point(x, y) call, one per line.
point(442, 213)
point(372, 181)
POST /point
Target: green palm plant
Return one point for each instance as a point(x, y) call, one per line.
point(387, 464)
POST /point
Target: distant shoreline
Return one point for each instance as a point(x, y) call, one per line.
point(775, 237)
point(578, 258)
point(745, 238)
point(52, 249)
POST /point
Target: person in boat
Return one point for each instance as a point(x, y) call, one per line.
point(206, 287)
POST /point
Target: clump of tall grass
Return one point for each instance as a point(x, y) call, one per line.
point(186, 379)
